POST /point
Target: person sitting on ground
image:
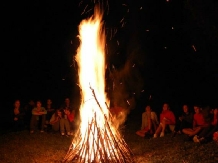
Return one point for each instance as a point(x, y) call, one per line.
point(70, 116)
point(55, 120)
point(207, 132)
point(198, 124)
point(38, 116)
point(64, 124)
point(149, 122)
point(28, 113)
point(50, 112)
point(184, 121)
point(167, 118)
point(18, 117)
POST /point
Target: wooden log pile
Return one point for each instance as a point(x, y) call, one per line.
point(100, 144)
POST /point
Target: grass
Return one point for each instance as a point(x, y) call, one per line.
point(23, 147)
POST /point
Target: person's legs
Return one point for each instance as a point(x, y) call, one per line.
point(204, 131)
point(209, 135)
point(33, 122)
point(48, 116)
point(56, 126)
point(72, 127)
point(142, 132)
point(163, 124)
point(191, 133)
point(185, 124)
point(27, 119)
point(196, 130)
point(20, 126)
point(177, 126)
point(43, 121)
point(157, 132)
point(67, 126)
point(154, 126)
point(187, 131)
point(62, 129)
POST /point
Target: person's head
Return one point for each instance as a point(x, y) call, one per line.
point(31, 102)
point(148, 108)
point(196, 109)
point(185, 108)
point(166, 107)
point(49, 101)
point(67, 101)
point(58, 112)
point(17, 103)
point(38, 103)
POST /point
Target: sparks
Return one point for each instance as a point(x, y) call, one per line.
point(97, 139)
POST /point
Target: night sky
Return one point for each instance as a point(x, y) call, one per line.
point(171, 46)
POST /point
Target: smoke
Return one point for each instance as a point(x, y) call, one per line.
point(126, 60)
point(125, 57)
point(126, 85)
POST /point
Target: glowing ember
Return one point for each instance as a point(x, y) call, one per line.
point(96, 140)
point(194, 48)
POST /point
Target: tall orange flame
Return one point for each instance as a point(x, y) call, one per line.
point(96, 140)
point(91, 59)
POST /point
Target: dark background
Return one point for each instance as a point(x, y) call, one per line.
point(172, 45)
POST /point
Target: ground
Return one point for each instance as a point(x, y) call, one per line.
point(23, 147)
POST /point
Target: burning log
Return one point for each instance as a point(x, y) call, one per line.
point(107, 146)
point(97, 140)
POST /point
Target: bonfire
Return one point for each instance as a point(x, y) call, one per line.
point(97, 140)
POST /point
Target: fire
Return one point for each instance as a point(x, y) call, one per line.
point(96, 140)
point(91, 60)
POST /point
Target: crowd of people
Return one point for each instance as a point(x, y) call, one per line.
point(199, 125)
point(36, 116)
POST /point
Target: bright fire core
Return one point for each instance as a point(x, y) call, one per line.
point(91, 60)
point(96, 141)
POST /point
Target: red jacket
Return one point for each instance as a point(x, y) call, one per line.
point(169, 115)
point(70, 117)
point(198, 120)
